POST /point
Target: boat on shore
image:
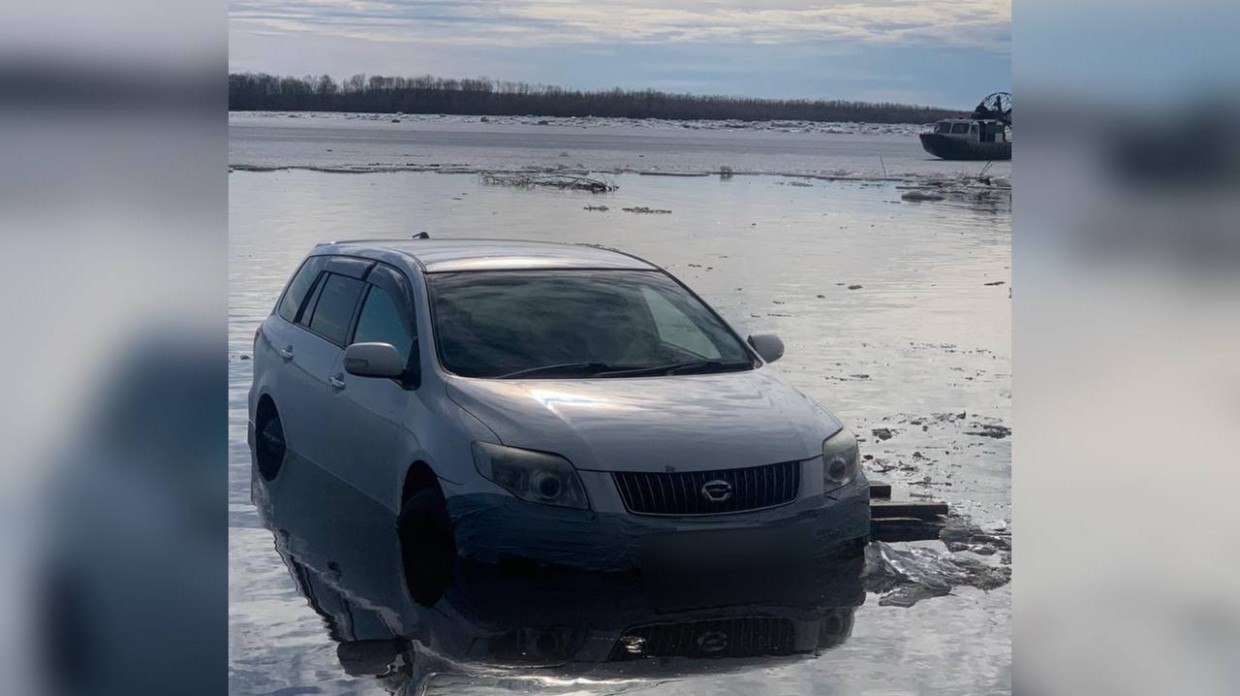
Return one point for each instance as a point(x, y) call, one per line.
point(985, 135)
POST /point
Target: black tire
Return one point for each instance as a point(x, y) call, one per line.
point(427, 545)
point(270, 449)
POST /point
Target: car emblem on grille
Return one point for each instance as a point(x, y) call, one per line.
point(712, 641)
point(717, 490)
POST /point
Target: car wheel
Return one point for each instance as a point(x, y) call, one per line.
point(269, 446)
point(427, 545)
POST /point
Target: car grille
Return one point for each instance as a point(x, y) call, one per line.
point(736, 637)
point(646, 493)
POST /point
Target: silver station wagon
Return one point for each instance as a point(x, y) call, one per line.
point(559, 404)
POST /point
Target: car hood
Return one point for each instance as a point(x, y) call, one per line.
point(680, 423)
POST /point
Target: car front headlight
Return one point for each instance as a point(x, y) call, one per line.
point(839, 460)
point(534, 476)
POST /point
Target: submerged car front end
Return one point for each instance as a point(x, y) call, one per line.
point(620, 474)
point(619, 422)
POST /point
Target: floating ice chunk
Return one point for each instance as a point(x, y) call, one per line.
point(906, 576)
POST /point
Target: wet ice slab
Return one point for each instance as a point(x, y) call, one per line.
point(905, 576)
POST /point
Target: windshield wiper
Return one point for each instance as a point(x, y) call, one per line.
point(598, 369)
point(584, 369)
point(681, 368)
point(709, 366)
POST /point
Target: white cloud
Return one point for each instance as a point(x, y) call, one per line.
point(981, 24)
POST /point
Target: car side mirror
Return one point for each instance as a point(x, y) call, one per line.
point(373, 360)
point(768, 346)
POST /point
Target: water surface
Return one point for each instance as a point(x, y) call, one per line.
point(896, 316)
point(370, 142)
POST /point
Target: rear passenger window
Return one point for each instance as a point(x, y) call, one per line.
point(300, 285)
point(333, 313)
point(381, 322)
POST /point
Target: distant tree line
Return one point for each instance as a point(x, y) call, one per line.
point(485, 97)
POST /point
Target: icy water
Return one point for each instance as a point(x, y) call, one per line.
point(895, 314)
point(376, 142)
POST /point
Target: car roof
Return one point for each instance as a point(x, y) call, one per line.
point(449, 255)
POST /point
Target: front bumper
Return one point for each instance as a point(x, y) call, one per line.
point(493, 527)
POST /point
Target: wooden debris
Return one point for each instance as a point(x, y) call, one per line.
point(904, 520)
point(888, 508)
point(891, 529)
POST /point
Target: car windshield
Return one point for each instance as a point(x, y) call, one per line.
point(576, 323)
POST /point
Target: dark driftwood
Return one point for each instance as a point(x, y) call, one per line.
point(561, 181)
point(904, 529)
point(889, 508)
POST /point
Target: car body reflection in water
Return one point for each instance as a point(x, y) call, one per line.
point(536, 629)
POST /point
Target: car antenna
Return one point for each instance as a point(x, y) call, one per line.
point(422, 235)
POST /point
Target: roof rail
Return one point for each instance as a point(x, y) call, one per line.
point(372, 239)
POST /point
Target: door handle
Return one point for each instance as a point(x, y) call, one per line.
point(286, 353)
point(337, 382)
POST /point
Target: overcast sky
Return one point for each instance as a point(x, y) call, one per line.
point(938, 52)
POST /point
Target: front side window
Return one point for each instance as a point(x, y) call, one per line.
point(302, 281)
point(381, 322)
point(333, 311)
point(943, 128)
point(960, 128)
point(676, 328)
point(566, 323)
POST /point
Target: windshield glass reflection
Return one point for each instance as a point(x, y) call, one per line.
point(514, 324)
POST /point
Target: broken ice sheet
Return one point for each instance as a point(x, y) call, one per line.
point(961, 534)
point(905, 576)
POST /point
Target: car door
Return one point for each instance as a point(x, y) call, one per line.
point(309, 394)
point(378, 416)
point(281, 340)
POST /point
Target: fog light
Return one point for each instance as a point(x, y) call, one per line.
point(633, 645)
